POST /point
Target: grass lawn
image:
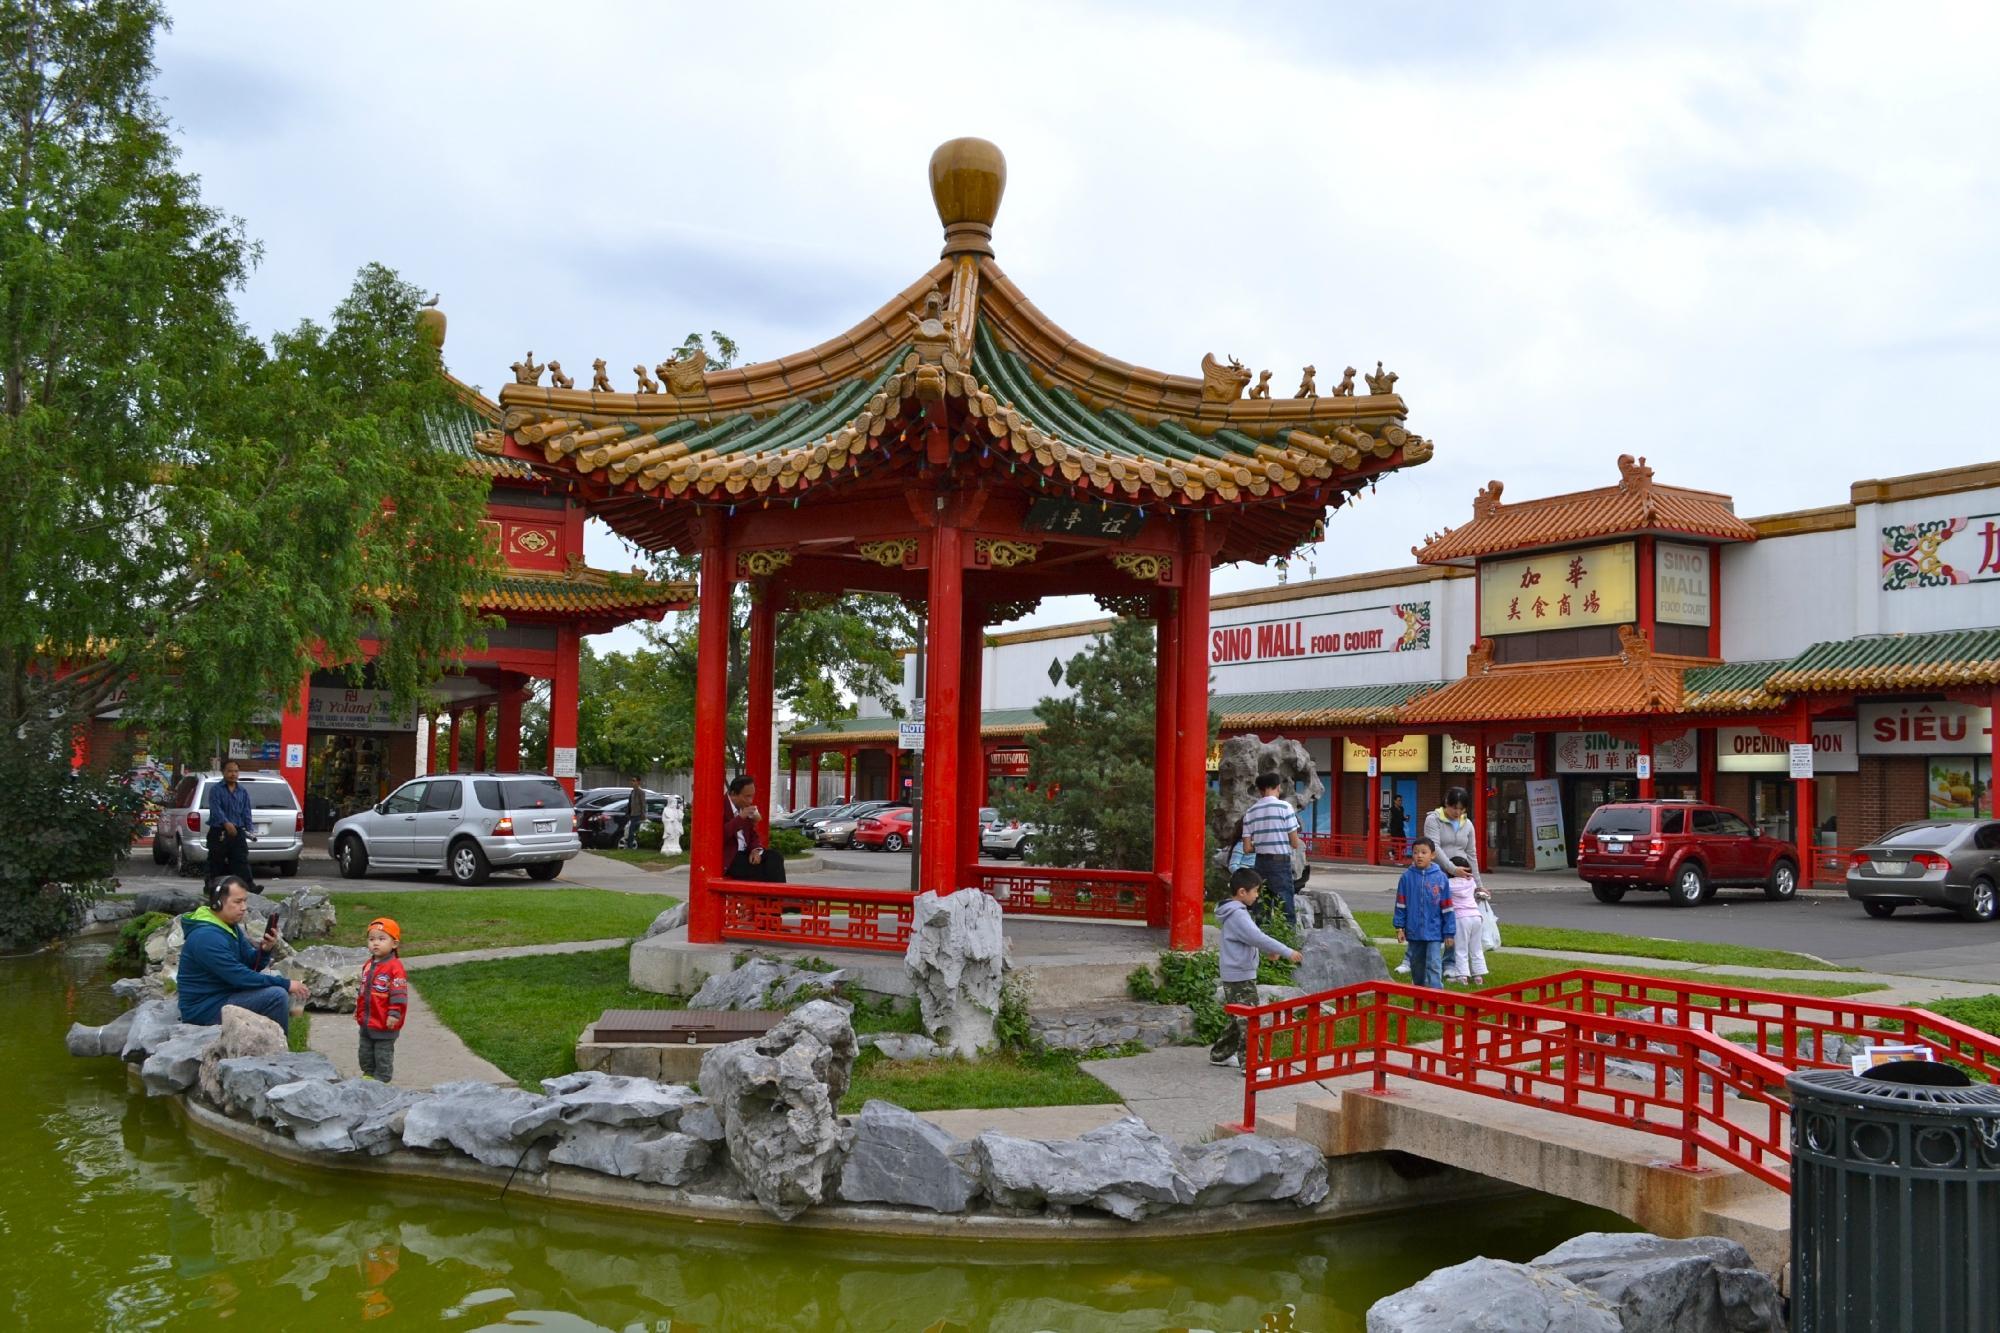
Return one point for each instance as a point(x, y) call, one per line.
point(1975, 1011)
point(454, 919)
point(1635, 946)
point(298, 1033)
point(639, 856)
point(1006, 1078)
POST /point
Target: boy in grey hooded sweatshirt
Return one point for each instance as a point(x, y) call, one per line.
point(1242, 941)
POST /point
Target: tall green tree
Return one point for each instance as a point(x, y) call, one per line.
point(1092, 767)
point(192, 516)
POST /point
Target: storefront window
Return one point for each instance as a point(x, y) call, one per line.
point(1771, 807)
point(1960, 786)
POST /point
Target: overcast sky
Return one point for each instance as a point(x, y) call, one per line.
point(1753, 243)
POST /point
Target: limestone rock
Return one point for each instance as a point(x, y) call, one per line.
point(1094, 1027)
point(671, 1159)
point(1323, 909)
point(1242, 759)
point(775, 1096)
point(152, 1024)
point(494, 1125)
point(242, 1033)
point(672, 919)
point(1123, 1168)
point(702, 1121)
point(1492, 1296)
point(762, 983)
point(899, 1158)
point(1704, 1284)
point(243, 1083)
point(332, 975)
point(138, 990)
point(955, 958)
point(306, 915)
point(163, 948)
point(173, 901)
point(613, 1099)
point(106, 1040)
point(1335, 958)
point(1249, 1168)
point(903, 1045)
point(175, 1064)
point(1266, 994)
point(107, 910)
point(353, 1115)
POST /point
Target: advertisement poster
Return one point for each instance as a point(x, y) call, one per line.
point(1959, 786)
point(1545, 819)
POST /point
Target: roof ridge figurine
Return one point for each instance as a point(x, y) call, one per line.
point(1220, 383)
point(526, 371)
point(1306, 389)
point(1345, 389)
point(1382, 381)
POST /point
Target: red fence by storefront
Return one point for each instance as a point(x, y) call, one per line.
point(1351, 847)
point(1559, 1044)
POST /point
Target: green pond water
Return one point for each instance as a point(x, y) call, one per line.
point(113, 1217)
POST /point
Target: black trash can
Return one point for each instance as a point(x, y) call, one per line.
point(1895, 1201)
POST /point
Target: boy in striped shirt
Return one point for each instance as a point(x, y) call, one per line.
point(1271, 834)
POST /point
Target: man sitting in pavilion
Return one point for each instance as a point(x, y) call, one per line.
point(744, 850)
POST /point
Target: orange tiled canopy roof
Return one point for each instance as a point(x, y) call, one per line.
point(958, 371)
point(1635, 505)
point(1636, 683)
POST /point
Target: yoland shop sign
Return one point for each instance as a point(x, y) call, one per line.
point(1925, 729)
point(1681, 584)
point(1511, 754)
point(1558, 590)
point(1836, 749)
point(1411, 754)
point(1400, 628)
point(332, 709)
point(1596, 752)
point(1941, 552)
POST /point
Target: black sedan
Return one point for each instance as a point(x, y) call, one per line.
point(600, 815)
point(1931, 863)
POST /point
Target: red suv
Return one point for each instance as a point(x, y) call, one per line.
point(1684, 847)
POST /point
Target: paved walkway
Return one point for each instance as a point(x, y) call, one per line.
point(422, 961)
point(1181, 1095)
point(427, 1053)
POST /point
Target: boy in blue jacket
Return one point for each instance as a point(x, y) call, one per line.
point(219, 967)
point(1423, 915)
point(1242, 941)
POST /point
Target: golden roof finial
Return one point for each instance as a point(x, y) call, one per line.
point(968, 176)
point(431, 321)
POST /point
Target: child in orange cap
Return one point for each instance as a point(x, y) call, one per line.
point(385, 999)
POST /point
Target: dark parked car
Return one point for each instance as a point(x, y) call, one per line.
point(1932, 863)
point(600, 818)
point(1685, 848)
point(802, 820)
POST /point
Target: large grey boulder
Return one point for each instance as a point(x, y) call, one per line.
point(332, 975)
point(903, 1045)
point(106, 911)
point(152, 1025)
point(162, 948)
point(1334, 958)
point(241, 1033)
point(306, 915)
point(596, 1098)
point(138, 990)
point(1703, 1284)
point(353, 1115)
point(493, 1125)
point(1242, 759)
point(1323, 909)
point(899, 1158)
point(243, 1083)
point(174, 901)
point(621, 1126)
point(1095, 1027)
point(672, 919)
point(955, 959)
point(672, 1158)
point(1493, 1296)
point(1122, 1168)
point(1248, 1168)
point(763, 983)
point(175, 1064)
point(776, 1095)
point(108, 1039)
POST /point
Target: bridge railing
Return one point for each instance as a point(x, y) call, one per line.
point(1788, 1028)
point(1070, 891)
point(1679, 1083)
point(1351, 847)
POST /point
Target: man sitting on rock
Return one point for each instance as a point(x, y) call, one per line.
point(220, 967)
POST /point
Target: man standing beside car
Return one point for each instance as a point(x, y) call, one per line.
point(229, 826)
point(635, 814)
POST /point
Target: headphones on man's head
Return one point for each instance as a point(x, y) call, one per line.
point(217, 892)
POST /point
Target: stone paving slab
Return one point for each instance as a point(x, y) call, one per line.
point(1180, 1094)
point(427, 1053)
point(428, 960)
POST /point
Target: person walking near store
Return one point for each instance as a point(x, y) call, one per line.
point(229, 827)
point(1468, 950)
point(1450, 831)
point(1242, 941)
point(1398, 825)
point(635, 814)
point(219, 966)
point(1423, 917)
point(1271, 834)
point(384, 1001)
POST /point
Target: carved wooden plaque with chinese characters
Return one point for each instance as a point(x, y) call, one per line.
point(1594, 585)
point(1080, 518)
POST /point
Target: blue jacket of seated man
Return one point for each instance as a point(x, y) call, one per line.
point(217, 961)
point(1423, 904)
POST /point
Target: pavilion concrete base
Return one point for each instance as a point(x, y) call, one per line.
point(1062, 962)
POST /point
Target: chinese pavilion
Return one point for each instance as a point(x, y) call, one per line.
point(956, 448)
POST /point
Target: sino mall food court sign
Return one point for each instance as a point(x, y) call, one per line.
point(1558, 590)
point(1398, 628)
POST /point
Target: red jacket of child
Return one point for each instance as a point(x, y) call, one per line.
point(385, 995)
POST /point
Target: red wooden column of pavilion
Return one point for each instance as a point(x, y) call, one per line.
point(959, 449)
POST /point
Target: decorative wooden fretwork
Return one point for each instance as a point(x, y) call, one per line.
point(1003, 613)
point(761, 564)
point(891, 554)
point(1146, 566)
point(999, 553)
point(1129, 605)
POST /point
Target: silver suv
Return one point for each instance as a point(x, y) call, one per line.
point(465, 824)
point(180, 839)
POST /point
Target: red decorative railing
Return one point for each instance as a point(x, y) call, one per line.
point(809, 914)
point(1787, 1028)
point(1064, 891)
point(1350, 847)
point(1827, 868)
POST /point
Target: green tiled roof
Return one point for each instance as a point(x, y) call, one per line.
point(1740, 687)
point(1352, 703)
point(1935, 660)
point(450, 430)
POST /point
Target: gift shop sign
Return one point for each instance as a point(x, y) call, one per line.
point(1399, 628)
point(1558, 590)
point(1925, 729)
point(1408, 754)
point(1836, 749)
point(1597, 752)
